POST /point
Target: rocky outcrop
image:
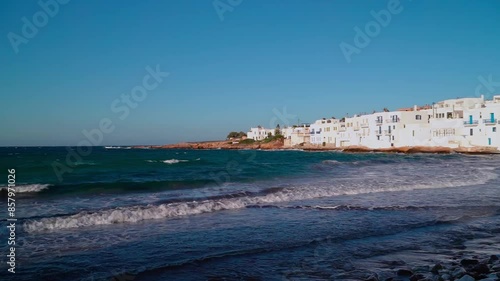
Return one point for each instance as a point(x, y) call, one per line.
point(276, 144)
point(279, 144)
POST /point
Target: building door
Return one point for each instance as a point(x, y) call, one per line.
point(470, 119)
point(492, 116)
point(489, 141)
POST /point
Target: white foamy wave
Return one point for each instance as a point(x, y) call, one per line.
point(173, 161)
point(28, 188)
point(117, 147)
point(331, 162)
point(172, 210)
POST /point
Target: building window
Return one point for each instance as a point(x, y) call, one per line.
point(471, 132)
point(418, 117)
point(494, 129)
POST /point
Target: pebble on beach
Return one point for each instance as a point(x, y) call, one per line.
point(468, 269)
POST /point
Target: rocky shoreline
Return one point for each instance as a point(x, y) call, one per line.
point(486, 268)
point(279, 145)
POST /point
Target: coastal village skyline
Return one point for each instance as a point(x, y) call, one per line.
point(466, 123)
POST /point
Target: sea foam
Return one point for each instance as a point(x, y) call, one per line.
point(133, 214)
point(174, 161)
point(28, 188)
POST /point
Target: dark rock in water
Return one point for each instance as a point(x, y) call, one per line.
point(481, 269)
point(493, 258)
point(469, 262)
point(457, 273)
point(404, 272)
point(435, 269)
point(421, 268)
point(496, 267)
point(466, 278)
point(389, 279)
point(479, 276)
point(494, 275)
point(417, 277)
point(445, 276)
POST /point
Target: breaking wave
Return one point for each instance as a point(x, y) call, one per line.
point(133, 214)
point(174, 161)
point(28, 188)
point(378, 208)
point(331, 162)
point(171, 161)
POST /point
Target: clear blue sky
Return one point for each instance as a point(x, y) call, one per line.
point(230, 75)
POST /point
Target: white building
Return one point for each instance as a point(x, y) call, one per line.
point(296, 135)
point(259, 133)
point(316, 132)
point(453, 123)
point(481, 123)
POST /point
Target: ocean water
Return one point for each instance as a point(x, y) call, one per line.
point(139, 214)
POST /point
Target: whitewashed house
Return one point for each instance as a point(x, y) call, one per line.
point(316, 132)
point(481, 124)
point(453, 123)
point(259, 133)
point(300, 135)
point(329, 131)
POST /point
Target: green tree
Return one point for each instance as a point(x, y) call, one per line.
point(277, 131)
point(236, 135)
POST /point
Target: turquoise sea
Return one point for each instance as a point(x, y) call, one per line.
point(142, 214)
